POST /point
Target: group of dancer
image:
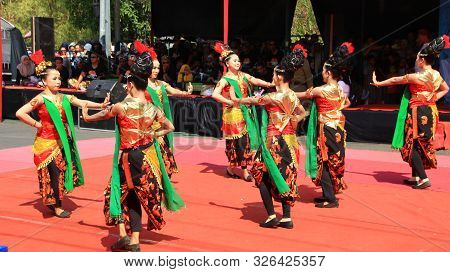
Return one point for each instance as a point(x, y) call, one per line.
point(259, 140)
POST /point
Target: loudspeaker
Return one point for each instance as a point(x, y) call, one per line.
point(43, 36)
point(99, 89)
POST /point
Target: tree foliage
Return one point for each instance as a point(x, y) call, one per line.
point(73, 20)
point(135, 19)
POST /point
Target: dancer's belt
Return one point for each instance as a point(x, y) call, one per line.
point(126, 163)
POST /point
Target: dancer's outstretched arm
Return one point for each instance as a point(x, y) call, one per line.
point(89, 104)
point(258, 82)
point(177, 92)
point(310, 93)
point(254, 100)
point(409, 78)
point(105, 114)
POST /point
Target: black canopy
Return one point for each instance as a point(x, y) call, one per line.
point(252, 19)
point(360, 19)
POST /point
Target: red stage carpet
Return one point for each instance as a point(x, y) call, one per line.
point(377, 213)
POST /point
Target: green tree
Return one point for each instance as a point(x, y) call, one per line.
point(135, 19)
point(70, 23)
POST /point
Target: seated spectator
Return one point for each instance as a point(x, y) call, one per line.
point(62, 52)
point(25, 69)
point(87, 49)
point(64, 73)
point(79, 50)
point(246, 65)
point(93, 70)
point(210, 70)
point(262, 72)
point(77, 69)
point(72, 52)
point(124, 67)
point(168, 72)
point(184, 76)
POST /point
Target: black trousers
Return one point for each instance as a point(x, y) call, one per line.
point(327, 185)
point(135, 211)
point(267, 198)
point(54, 172)
point(417, 164)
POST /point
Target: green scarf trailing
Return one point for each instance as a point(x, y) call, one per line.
point(172, 201)
point(68, 146)
point(249, 114)
point(115, 210)
point(164, 106)
point(271, 166)
point(311, 143)
point(399, 134)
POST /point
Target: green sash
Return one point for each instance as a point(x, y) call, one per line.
point(311, 143)
point(67, 145)
point(115, 210)
point(165, 107)
point(271, 166)
point(249, 114)
point(399, 134)
point(172, 201)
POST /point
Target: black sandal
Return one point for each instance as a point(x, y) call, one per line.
point(134, 248)
point(328, 205)
point(63, 214)
point(319, 199)
point(271, 224)
point(249, 178)
point(231, 175)
point(422, 185)
point(286, 224)
point(121, 244)
point(410, 182)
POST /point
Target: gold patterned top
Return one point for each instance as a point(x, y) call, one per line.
point(136, 124)
point(283, 108)
point(425, 93)
point(330, 105)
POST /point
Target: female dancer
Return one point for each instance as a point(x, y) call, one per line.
point(139, 177)
point(157, 93)
point(418, 115)
point(276, 166)
point(326, 133)
point(55, 151)
point(239, 124)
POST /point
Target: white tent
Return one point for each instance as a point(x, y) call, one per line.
point(6, 41)
point(13, 48)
